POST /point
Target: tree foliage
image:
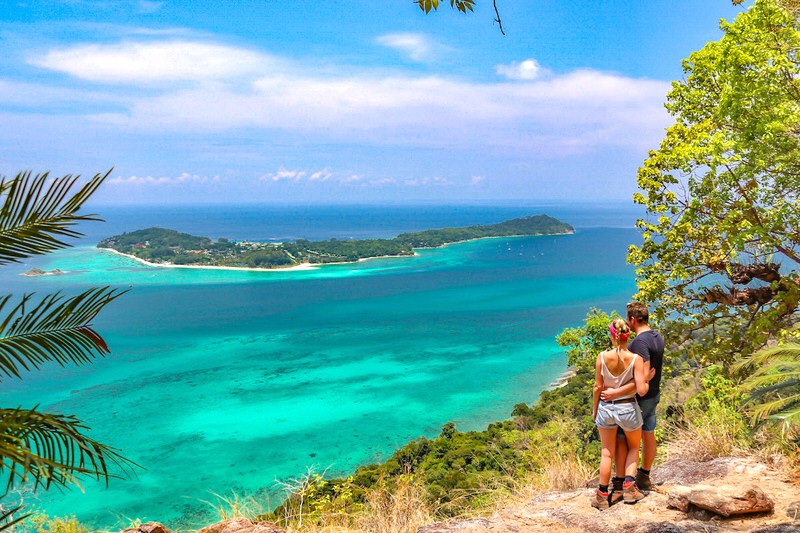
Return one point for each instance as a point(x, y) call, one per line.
point(37, 213)
point(461, 5)
point(583, 343)
point(722, 232)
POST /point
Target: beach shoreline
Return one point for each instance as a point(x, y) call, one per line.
point(301, 266)
point(563, 378)
point(293, 268)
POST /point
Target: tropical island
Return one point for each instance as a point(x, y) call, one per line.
point(170, 247)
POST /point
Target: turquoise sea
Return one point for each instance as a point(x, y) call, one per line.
point(225, 381)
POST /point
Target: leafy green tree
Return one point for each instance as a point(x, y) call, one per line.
point(722, 233)
point(584, 343)
point(36, 214)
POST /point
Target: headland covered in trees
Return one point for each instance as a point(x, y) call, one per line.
point(169, 247)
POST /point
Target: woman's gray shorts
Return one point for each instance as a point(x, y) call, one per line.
point(627, 415)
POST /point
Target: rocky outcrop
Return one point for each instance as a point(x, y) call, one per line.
point(724, 501)
point(234, 525)
point(728, 494)
point(241, 525)
point(34, 272)
point(149, 527)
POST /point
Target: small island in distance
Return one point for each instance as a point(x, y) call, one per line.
point(169, 247)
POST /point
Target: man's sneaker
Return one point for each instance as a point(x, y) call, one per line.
point(600, 500)
point(631, 493)
point(643, 480)
point(616, 492)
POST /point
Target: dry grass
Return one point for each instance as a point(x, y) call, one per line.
point(400, 511)
point(565, 472)
point(710, 436)
point(237, 506)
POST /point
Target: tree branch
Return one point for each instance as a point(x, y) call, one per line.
point(497, 19)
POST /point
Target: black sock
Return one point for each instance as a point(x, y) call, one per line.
point(629, 479)
point(645, 472)
point(603, 488)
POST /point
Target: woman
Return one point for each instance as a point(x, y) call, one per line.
point(615, 368)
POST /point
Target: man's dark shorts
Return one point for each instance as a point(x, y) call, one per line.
point(648, 408)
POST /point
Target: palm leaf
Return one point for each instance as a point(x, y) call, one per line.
point(7, 519)
point(788, 417)
point(760, 385)
point(777, 408)
point(51, 449)
point(773, 383)
point(789, 351)
point(37, 213)
point(54, 329)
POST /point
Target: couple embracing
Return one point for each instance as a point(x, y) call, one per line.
point(626, 393)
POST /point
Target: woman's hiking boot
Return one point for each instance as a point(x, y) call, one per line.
point(643, 480)
point(631, 493)
point(616, 491)
point(600, 500)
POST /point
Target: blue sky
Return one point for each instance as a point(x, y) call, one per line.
point(343, 101)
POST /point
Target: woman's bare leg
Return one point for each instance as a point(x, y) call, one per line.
point(608, 440)
point(633, 438)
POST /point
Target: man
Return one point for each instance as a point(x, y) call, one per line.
point(649, 344)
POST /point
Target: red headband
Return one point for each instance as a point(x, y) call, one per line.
point(613, 331)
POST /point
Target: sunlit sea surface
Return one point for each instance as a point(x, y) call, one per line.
point(224, 381)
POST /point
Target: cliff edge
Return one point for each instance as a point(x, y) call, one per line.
point(730, 494)
point(691, 497)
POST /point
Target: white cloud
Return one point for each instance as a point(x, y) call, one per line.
point(353, 178)
point(183, 178)
point(476, 180)
point(237, 89)
point(148, 6)
point(147, 63)
point(284, 175)
point(382, 181)
point(414, 46)
point(320, 175)
point(428, 182)
point(526, 70)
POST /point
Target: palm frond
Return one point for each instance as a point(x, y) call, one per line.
point(55, 328)
point(758, 385)
point(777, 408)
point(788, 417)
point(773, 386)
point(790, 351)
point(51, 449)
point(38, 213)
point(7, 519)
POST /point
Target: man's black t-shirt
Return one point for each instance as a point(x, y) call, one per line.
point(650, 345)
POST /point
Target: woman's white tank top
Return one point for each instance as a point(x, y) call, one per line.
point(615, 382)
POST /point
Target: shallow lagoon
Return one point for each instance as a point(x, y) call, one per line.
point(226, 380)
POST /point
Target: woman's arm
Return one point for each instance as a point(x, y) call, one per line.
point(598, 384)
point(639, 376)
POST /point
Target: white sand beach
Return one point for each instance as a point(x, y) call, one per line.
point(301, 266)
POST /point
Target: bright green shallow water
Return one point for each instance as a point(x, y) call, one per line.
point(224, 381)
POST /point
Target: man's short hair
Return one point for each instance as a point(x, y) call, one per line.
point(638, 311)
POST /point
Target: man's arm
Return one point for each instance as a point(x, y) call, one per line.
point(608, 395)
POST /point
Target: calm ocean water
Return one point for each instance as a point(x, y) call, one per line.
point(225, 381)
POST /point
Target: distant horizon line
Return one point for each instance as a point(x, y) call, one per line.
point(409, 203)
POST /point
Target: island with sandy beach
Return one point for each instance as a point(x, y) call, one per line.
point(171, 248)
